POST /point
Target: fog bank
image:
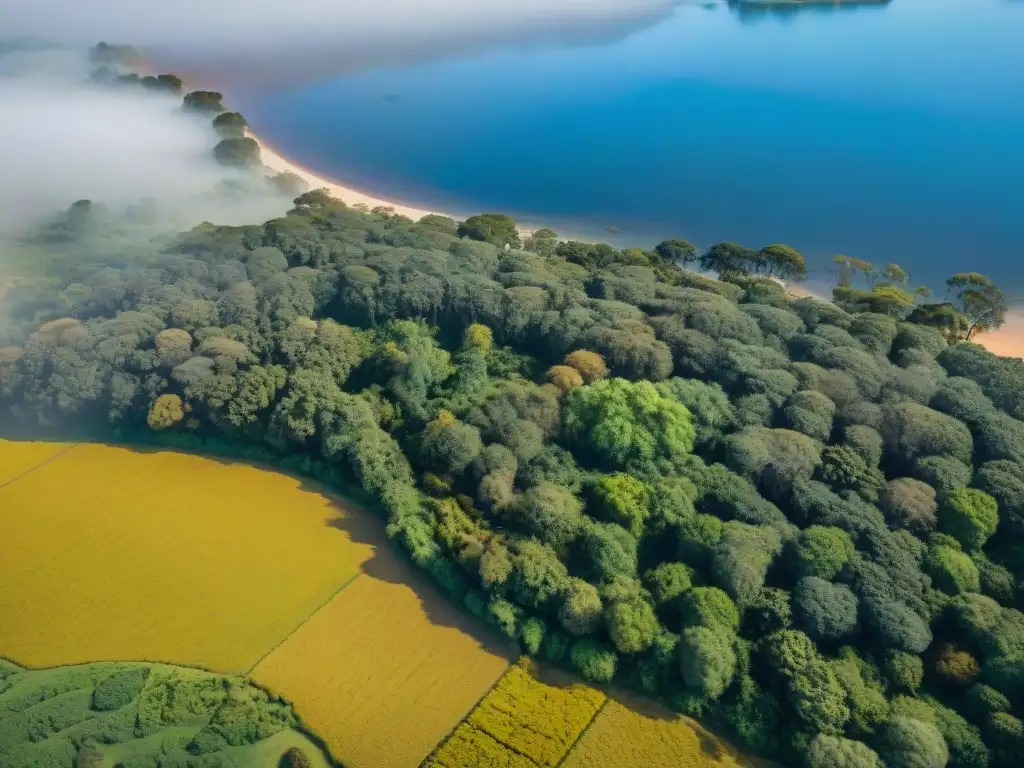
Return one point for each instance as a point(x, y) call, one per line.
point(62, 139)
point(280, 43)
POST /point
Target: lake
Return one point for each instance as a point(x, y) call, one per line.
point(890, 132)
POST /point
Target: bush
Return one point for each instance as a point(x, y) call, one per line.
point(594, 660)
point(294, 757)
point(120, 689)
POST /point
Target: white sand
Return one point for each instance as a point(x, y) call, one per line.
point(277, 163)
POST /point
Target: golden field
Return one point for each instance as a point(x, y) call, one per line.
point(634, 733)
point(18, 458)
point(143, 555)
point(383, 672)
point(521, 722)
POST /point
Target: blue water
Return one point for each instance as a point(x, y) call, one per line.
point(890, 133)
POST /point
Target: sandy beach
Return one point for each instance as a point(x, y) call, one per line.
point(278, 163)
point(1007, 341)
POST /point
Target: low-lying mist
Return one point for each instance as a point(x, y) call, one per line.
point(64, 139)
point(280, 43)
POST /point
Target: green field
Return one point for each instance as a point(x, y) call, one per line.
point(142, 716)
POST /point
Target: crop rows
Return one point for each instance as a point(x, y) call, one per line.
point(522, 722)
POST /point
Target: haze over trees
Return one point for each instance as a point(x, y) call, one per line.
point(801, 519)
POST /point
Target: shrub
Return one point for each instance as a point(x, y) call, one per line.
point(119, 689)
point(594, 660)
point(294, 757)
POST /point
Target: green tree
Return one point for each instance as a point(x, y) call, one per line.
point(624, 423)
point(549, 512)
point(632, 625)
point(710, 607)
point(230, 125)
point(825, 611)
point(981, 302)
point(908, 743)
point(623, 499)
point(707, 661)
point(837, 752)
point(450, 445)
point(971, 516)
point(951, 570)
point(594, 660)
point(820, 551)
point(782, 262)
point(494, 228)
point(237, 152)
point(204, 101)
point(676, 251)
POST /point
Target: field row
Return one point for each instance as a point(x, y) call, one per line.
point(526, 722)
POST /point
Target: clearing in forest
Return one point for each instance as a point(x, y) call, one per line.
point(121, 554)
point(631, 732)
point(383, 672)
point(522, 723)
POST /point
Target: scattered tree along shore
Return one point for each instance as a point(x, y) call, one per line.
point(799, 519)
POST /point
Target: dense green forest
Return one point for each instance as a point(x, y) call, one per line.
point(799, 519)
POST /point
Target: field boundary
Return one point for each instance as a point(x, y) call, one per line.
point(40, 465)
point(247, 673)
point(462, 719)
point(586, 728)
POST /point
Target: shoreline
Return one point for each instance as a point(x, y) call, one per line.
point(1007, 341)
point(275, 161)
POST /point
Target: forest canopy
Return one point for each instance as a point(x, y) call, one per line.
point(799, 518)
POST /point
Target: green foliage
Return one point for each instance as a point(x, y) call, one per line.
point(237, 152)
point(494, 228)
point(119, 689)
point(908, 743)
point(623, 499)
point(594, 660)
point(825, 611)
point(971, 516)
point(952, 570)
point(786, 474)
point(294, 757)
point(820, 551)
point(627, 424)
point(632, 625)
point(837, 752)
point(905, 671)
point(709, 607)
point(706, 661)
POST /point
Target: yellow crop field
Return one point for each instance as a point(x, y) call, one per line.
point(118, 554)
point(634, 733)
point(383, 672)
point(18, 458)
point(523, 722)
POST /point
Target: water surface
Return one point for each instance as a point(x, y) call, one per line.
point(891, 132)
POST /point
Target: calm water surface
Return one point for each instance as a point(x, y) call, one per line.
point(892, 133)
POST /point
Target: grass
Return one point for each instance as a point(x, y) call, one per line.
point(383, 672)
point(634, 733)
point(169, 716)
point(521, 722)
point(112, 553)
